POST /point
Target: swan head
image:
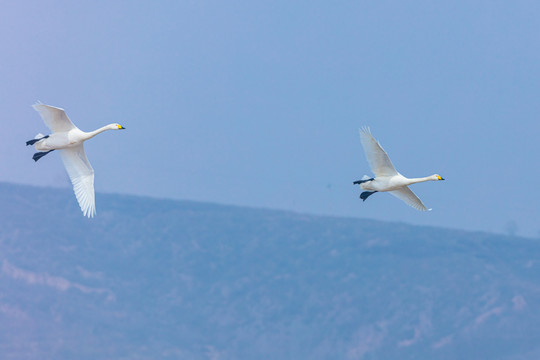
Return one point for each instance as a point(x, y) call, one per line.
point(116, 127)
point(437, 177)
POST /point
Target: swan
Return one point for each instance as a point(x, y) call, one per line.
point(387, 179)
point(69, 139)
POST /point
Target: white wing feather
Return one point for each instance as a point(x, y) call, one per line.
point(376, 156)
point(55, 118)
point(81, 174)
point(405, 194)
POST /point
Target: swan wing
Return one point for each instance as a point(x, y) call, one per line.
point(55, 118)
point(409, 198)
point(82, 177)
point(376, 156)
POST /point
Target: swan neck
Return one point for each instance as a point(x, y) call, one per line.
point(91, 134)
point(419, 180)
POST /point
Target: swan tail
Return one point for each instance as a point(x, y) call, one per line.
point(39, 155)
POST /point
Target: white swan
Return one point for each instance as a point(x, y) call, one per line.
point(69, 139)
point(387, 179)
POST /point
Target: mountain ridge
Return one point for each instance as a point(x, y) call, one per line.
point(67, 191)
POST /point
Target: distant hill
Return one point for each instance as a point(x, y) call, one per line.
point(162, 279)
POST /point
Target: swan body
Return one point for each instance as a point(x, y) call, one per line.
point(387, 179)
point(69, 139)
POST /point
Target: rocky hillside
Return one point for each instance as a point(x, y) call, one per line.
point(162, 279)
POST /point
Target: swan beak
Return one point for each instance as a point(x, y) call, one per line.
point(120, 127)
point(440, 178)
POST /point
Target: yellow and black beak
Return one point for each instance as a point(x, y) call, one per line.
point(120, 127)
point(440, 177)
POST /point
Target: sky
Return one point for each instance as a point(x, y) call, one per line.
point(259, 103)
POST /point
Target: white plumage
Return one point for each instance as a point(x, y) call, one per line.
point(387, 179)
point(69, 139)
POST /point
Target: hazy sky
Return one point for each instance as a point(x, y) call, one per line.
point(259, 103)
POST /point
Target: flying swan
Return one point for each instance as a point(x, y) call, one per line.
point(387, 179)
point(69, 139)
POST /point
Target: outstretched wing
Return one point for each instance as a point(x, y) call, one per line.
point(82, 177)
point(376, 156)
point(55, 118)
point(409, 198)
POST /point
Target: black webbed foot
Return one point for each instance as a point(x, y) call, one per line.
point(39, 155)
point(358, 182)
point(33, 141)
point(366, 194)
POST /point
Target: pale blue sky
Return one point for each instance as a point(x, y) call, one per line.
point(259, 103)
